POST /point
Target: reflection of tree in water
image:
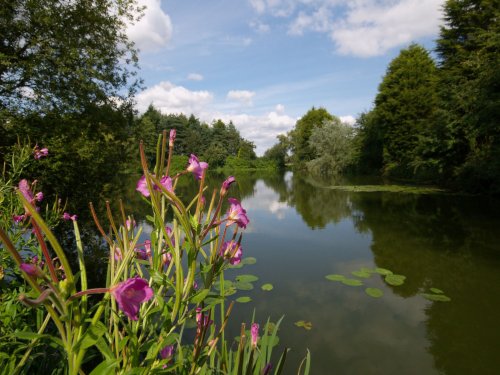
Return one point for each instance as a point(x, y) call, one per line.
point(450, 243)
point(318, 205)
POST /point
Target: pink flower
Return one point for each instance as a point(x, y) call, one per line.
point(18, 218)
point(202, 320)
point(172, 137)
point(67, 216)
point(233, 251)
point(237, 214)
point(25, 189)
point(129, 224)
point(39, 196)
point(31, 269)
point(129, 295)
point(255, 334)
point(166, 258)
point(167, 353)
point(40, 153)
point(170, 235)
point(166, 183)
point(196, 167)
point(142, 186)
point(118, 254)
point(226, 184)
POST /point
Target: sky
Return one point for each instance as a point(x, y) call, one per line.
point(262, 64)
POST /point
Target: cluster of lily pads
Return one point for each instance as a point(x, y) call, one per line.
point(391, 278)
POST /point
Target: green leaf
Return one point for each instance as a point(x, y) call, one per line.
point(335, 277)
point(374, 292)
point(361, 273)
point(304, 324)
point(244, 299)
point(395, 280)
point(200, 296)
point(106, 367)
point(436, 297)
point(91, 336)
point(352, 282)
point(383, 271)
point(243, 286)
point(249, 261)
point(246, 278)
point(437, 291)
point(267, 287)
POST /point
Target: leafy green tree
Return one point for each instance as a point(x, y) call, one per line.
point(299, 136)
point(63, 55)
point(279, 152)
point(334, 148)
point(469, 51)
point(369, 144)
point(405, 112)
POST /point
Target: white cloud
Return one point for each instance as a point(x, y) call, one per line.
point(351, 120)
point(154, 29)
point(242, 96)
point(195, 77)
point(169, 98)
point(359, 27)
point(259, 27)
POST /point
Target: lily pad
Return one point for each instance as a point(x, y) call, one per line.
point(352, 282)
point(374, 292)
point(395, 280)
point(267, 287)
point(243, 299)
point(304, 324)
point(243, 286)
point(437, 291)
point(246, 278)
point(335, 277)
point(249, 260)
point(436, 297)
point(383, 271)
point(361, 273)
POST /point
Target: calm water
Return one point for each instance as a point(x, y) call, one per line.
point(300, 232)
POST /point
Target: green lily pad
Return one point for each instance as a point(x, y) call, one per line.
point(335, 277)
point(361, 273)
point(383, 271)
point(374, 292)
point(227, 284)
point(246, 278)
point(436, 297)
point(352, 282)
point(243, 299)
point(230, 291)
point(249, 260)
point(395, 280)
point(267, 287)
point(437, 291)
point(243, 286)
point(304, 324)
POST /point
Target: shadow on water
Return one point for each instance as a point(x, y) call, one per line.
point(301, 230)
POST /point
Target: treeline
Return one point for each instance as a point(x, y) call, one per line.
point(433, 121)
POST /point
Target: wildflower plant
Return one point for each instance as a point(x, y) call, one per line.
point(159, 311)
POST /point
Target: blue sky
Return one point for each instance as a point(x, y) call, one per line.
point(264, 63)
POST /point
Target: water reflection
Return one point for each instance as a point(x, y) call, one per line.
point(301, 230)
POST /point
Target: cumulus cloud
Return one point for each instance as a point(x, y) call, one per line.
point(359, 27)
point(154, 29)
point(242, 96)
point(169, 98)
point(351, 120)
point(195, 77)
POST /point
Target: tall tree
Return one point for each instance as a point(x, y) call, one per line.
point(299, 136)
point(63, 55)
point(469, 51)
point(405, 109)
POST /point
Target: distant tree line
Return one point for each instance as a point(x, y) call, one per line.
point(432, 121)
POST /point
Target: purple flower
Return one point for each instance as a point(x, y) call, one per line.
point(142, 186)
point(166, 258)
point(167, 352)
point(267, 369)
point(39, 196)
point(237, 214)
point(40, 153)
point(166, 183)
point(172, 137)
point(226, 184)
point(118, 254)
point(170, 235)
point(18, 218)
point(196, 167)
point(67, 216)
point(202, 320)
point(129, 224)
point(233, 251)
point(129, 295)
point(25, 189)
point(31, 269)
point(255, 334)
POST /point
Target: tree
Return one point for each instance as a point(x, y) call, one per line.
point(279, 152)
point(405, 110)
point(369, 144)
point(63, 55)
point(469, 51)
point(334, 148)
point(299, 136)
